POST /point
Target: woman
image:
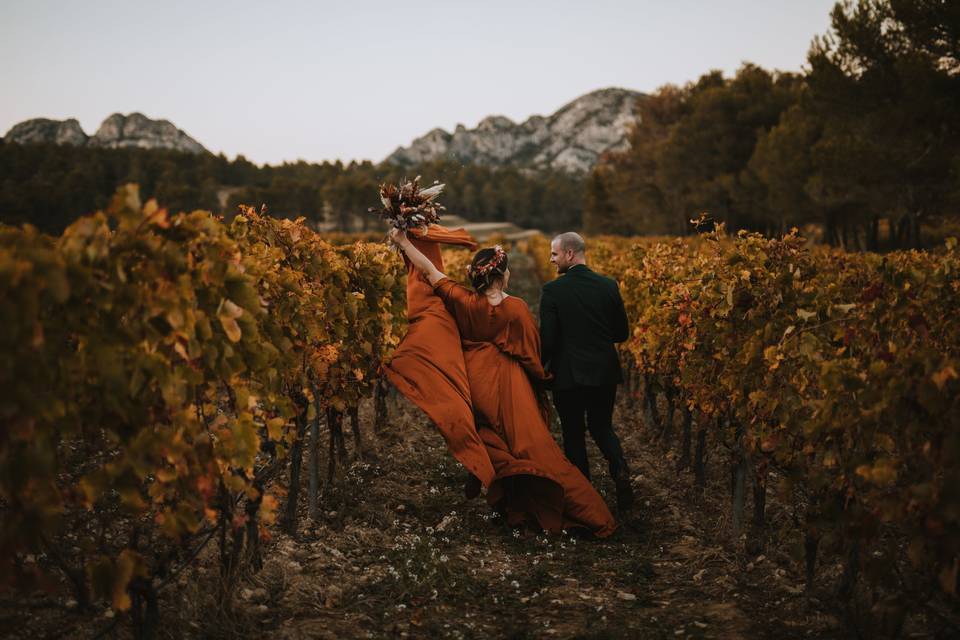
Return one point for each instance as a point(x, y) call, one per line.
point(534, 483)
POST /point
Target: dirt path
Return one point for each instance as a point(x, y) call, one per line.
point(398, 552)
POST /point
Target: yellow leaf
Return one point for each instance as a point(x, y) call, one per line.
point(131, 499)
point(941, 377)
point(231, 328)
point(129, 564)
point(268, 509)
point(275, 427)
point(166, 475)
point(772, 355)
point(881, 473)
point(92, 485)
point(885, 442)
point(230, 309)
point(175, 318)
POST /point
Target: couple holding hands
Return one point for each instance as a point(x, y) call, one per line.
point(477, 364)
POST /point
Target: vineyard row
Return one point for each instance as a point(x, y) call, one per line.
point(828, 378)
point(159, 371)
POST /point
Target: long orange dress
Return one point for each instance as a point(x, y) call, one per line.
point(428, 365)
point(501, 348)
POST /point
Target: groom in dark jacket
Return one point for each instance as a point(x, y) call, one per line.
point(581, 317)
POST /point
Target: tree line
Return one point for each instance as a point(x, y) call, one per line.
point(47, 185)
point(864, 144)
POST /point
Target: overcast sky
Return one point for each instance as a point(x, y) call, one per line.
point(349, 79)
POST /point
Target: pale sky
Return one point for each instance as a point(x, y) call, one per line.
point(346, 80)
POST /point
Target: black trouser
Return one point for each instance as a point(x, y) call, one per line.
point(596, 405)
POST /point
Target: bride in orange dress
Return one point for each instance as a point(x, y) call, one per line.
point(533, 481)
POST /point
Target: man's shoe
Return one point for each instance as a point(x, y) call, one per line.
point(472, 486)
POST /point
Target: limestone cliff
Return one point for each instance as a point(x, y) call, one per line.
point(133, 130)
point(571, 139)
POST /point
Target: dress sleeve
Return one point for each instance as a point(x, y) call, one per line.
point(455, 296)
point(522, 341)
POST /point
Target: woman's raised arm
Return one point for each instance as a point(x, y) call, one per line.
point(413, 254)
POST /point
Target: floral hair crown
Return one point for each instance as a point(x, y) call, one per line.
point(494, 263)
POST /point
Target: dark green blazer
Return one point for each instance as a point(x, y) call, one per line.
point(581, 317)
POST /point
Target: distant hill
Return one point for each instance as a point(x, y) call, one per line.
point(116, 132)
point(572, 139)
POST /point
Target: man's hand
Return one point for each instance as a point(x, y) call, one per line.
point(549, 328)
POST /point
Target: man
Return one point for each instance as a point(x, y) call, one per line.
point(581, 317)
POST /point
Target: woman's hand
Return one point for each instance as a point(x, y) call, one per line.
point(397, 237)
point(415, 256)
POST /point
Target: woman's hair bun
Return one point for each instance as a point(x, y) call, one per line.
point(488, 266)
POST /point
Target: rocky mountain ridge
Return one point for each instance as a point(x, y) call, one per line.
point(116, 132)
point(571, 139)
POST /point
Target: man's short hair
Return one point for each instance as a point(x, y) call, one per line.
point(571, 241)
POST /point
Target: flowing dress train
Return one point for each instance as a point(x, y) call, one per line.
point(428, 365)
